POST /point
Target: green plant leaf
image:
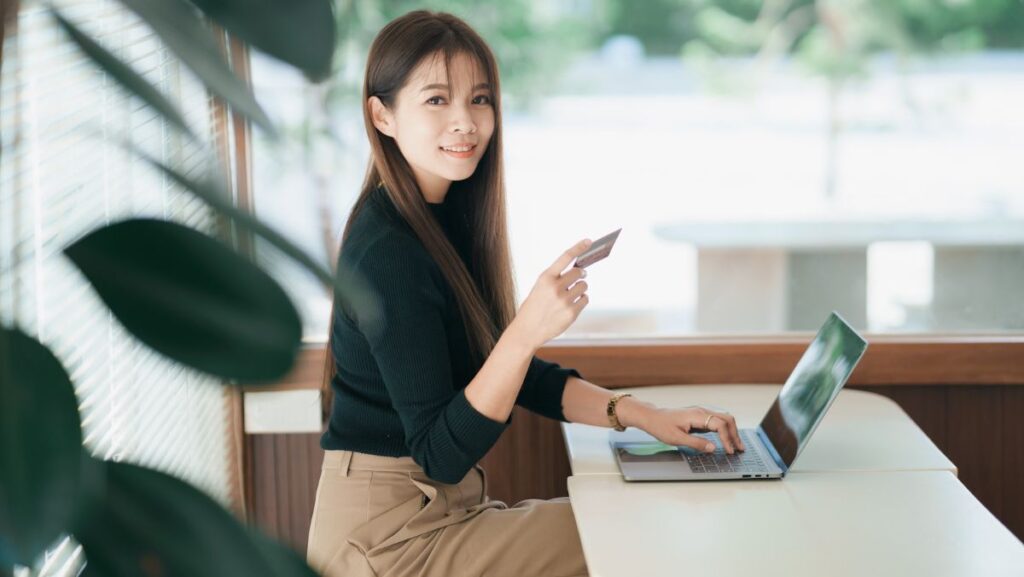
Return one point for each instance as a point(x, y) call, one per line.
point(192, 298)
point(122, 73)
point(300, 32)
point(181, 30)
point(143, 522)
point(350, 289)
point(40, 449)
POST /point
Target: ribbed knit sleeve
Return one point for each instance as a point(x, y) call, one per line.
point(444, 433)
point(543, 388)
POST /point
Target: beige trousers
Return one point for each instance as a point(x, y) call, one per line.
point(383, 517)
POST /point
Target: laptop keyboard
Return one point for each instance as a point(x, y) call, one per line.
point(722, 462)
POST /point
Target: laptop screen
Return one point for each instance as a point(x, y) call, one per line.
point(811, 388)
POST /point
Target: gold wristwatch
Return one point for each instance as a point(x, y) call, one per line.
point(613, 417)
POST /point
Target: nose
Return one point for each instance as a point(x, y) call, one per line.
point(462, 120)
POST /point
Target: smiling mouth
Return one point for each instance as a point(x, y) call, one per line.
point(464, 148)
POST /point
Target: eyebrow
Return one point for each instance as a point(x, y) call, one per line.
point(445, 86)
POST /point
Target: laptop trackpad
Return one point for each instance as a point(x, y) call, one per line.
point(651, 452)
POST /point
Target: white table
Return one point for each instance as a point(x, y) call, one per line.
point(919, 523)
point(862, 431)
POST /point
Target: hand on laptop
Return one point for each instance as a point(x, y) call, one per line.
point(674, 427)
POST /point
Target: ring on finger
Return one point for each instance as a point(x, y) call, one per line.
point(708, 420)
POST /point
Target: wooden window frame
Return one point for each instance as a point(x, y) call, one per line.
point(235, 157)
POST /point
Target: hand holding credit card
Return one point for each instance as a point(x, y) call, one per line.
point(601, 248)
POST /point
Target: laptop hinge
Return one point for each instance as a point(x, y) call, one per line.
point(771, 450)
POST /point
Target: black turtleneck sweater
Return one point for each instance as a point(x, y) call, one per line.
point(401, 378)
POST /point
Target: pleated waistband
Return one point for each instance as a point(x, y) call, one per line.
point(355, 461)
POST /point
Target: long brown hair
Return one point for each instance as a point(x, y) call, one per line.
point(486, 296)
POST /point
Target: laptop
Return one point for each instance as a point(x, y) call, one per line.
point(776, 443)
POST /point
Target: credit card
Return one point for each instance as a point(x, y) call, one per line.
point(601, 248)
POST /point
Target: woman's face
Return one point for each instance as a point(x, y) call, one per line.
point(434, 126)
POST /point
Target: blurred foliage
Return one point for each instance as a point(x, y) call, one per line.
point(535, 40)
point(530, 41)
point(196, 299)
point(831, 38)
point(741, 26)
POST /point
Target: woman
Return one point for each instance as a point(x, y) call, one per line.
point(423, 388)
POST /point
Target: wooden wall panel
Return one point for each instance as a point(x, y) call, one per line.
point(975, 442)
point(529, 461)
point(283, 471)
point(1013, 459)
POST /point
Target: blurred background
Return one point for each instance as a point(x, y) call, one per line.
point(768, 161)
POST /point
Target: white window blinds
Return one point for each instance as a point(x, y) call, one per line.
point(61, 175)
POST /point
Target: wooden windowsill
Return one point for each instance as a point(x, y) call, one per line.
point(890, 360)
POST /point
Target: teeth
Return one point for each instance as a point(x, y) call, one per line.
point(458, 148)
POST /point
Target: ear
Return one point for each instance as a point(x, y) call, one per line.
point(382, 118)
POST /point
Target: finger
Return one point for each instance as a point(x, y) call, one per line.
point(721, 426)
point(731, 421)
point(567, 256)
point(701, 418)
point(693, 442)
point(574, 274)
point(724, 425)
point(580, 304)
point(577, 290)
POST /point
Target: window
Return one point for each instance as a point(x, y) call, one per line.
point(768, 162)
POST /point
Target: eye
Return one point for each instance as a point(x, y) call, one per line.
point(433, 98)
point(487, 99)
